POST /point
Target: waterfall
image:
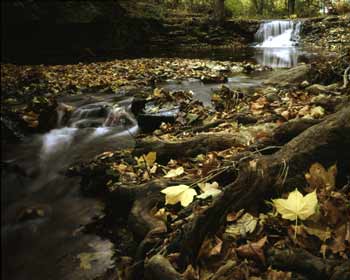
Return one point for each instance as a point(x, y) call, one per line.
point(278, 33)
point(276, 42)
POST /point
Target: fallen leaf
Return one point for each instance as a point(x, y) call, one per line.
point(210, 247)
point(317, 112)
point(161, 214)
point(296, 205)
point(180, 193)
point(273, 274)
point(341, 241)
point(149, 159)
point(190, 273)
point(243, 226)
point(174, 172)
point(253, 250)
point(322, 234)
point(208, 189)
point(319, 177)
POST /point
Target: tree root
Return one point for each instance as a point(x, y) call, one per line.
point(200, 144)
point(307, 142)
point(326, 142)
point(311, 266)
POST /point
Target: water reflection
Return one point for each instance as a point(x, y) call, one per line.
point(276, 43)
point(277, 57)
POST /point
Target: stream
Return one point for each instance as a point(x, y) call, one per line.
point(43, 211)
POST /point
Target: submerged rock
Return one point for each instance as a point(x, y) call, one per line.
point(149, 121)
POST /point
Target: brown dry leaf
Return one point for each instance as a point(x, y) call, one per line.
point(321, 233)
point(190, 273)
point(341, 242)
point(332, 213)
point(273, 274)
point(31, 119)
point(210, 247)
point(253, 250)
point(216, 250)
point(231, 217)
point(209, 164)
point(319, 177)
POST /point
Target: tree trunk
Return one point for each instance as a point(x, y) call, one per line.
point(291, 7)
point(219, 10)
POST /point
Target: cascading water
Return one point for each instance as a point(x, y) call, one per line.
point(277, 41)
point(41, 243)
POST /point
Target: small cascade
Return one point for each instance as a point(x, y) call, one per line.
point(77, 129)
point(276, 42)
point(278, 34)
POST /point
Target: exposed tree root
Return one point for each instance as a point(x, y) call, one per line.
point(199, 144)
point(325, 142)
point(158, 267)
point(309, 141)
point(314, 267)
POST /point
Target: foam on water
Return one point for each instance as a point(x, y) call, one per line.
point(57, 139)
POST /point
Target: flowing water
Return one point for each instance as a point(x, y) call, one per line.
point(278, 43)
point(43, 211)
point(276, 46)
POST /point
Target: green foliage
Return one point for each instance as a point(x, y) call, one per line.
point(245, 8)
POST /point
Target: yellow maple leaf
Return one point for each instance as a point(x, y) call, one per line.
point(149, 159)
point(180, 193)
point(296, 206)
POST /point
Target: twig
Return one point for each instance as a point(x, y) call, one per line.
point(346, 77)
point(211, 175)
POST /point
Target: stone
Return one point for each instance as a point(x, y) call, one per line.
point(290, 76)
point(318, 89)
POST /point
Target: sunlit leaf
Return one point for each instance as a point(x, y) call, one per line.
point(296, 206)
point(180, 193)
point(175, 172)
point(208, 189)
point(149, 159)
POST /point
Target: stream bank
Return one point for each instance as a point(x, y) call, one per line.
point(93, 137)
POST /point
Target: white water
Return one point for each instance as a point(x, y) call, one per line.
point(277, 41)
point(54, 237)
point(89, 129)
